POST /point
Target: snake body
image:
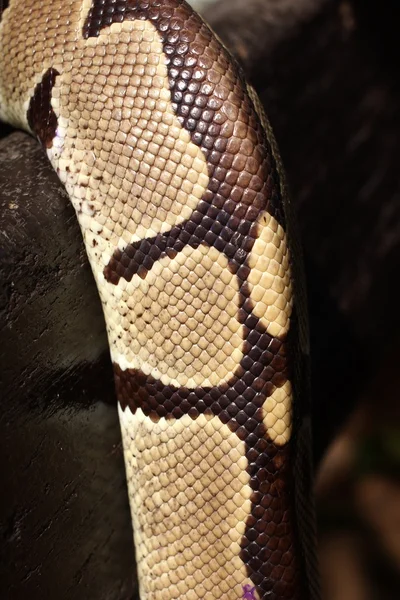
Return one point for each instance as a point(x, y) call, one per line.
point(174, 174)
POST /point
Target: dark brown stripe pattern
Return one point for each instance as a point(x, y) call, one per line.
point(41, 116)
point(210, 100)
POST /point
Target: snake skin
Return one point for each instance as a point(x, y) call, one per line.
point(175, 178)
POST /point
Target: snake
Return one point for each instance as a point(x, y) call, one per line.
point(171, 165)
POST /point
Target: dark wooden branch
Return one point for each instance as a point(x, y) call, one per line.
point(65, 529)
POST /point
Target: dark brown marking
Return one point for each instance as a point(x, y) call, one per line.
point(41, 116)
point(228, 233)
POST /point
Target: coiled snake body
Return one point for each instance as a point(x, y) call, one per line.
point(172, 169)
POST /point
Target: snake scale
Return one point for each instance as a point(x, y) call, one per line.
point(175, 177)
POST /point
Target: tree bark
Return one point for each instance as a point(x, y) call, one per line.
point(65, 529)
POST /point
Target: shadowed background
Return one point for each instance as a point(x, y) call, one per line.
point(327, 73)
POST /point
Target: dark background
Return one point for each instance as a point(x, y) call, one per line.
point(328, 74)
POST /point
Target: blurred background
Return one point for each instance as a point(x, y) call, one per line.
point(327, 72)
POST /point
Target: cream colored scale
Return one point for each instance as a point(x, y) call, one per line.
point(189, 484)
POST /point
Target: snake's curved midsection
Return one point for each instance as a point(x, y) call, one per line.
point(174, 176)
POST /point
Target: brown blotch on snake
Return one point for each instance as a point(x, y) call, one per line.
point(41, 116)
point(211, 224)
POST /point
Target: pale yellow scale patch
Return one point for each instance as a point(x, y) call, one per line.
point(277, 414)
point(125, 160)
point(129, 167)
point(190, 495)
point(35, 36)
point(180, 324)
point(270, 278)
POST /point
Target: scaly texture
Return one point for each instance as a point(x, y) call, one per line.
point(164, 153)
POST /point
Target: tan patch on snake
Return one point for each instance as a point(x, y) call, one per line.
point(48, 38)
point(277, 414)
point(188, 483)
point(128, 166)
point(270, 278)
point(180, 324)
